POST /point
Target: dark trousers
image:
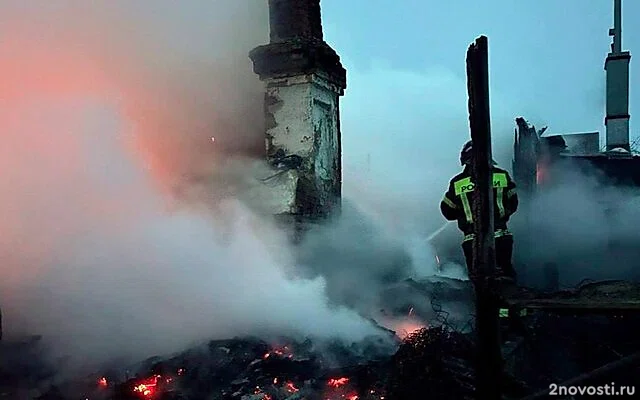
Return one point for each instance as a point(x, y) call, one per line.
point(504, 253)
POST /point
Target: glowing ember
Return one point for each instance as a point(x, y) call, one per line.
point(406, 327)
point(410, 311)
point(291, 387)
point(102, 382)
point(337, 382)
point(275, 381)
point(180, 371)
point(258, 391)
point(147, 388)
point(281, 352)
point(213, 139)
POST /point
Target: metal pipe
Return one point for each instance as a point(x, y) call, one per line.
point(617, 26)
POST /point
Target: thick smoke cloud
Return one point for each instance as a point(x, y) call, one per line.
point(402, 132)
point(107, 110)
point(582, 224)
point(122, 233)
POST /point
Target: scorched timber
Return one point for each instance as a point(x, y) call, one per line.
point(607, 297)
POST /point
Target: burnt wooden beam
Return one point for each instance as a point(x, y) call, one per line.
point(489, 357)
point(577, 306)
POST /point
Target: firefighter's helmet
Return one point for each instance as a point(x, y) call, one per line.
point(466, 153)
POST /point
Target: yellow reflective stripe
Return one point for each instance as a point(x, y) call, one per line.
point(462, 186)
point(466, 207)
point(448, 202)
point(500, 202)
point(501, 232)
point(499, 180)
point(498, 233)
point(504, 312)
point(465, 185)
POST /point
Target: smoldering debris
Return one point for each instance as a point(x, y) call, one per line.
point(252, 369)
point(449, 373)
point(245, 369)
point(432, 360)
point(260, 369)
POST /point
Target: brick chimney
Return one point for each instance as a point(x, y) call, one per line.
point(304, 80)
point(294, 19)
point(617, 69)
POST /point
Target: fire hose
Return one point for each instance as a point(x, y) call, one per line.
point(438, 231)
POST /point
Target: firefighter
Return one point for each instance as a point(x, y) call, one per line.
point(456, 206)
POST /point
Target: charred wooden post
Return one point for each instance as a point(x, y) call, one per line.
point(304, 80)
point(525, 167)
point(525, 158)
point(489, 357)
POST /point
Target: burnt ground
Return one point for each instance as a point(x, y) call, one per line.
point(539, 349)
point(252, 369)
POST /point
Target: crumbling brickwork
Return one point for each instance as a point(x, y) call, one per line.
point(304, 79)
point(297, 46)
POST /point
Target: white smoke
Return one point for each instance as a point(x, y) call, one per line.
point(583, 225)
point(106, 113)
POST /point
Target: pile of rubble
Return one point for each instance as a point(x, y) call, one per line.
point(253, 369)
point(434, 361)
point(430, 360)
point(245, 369)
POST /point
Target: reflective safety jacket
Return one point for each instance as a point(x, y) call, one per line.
point(456, 204)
